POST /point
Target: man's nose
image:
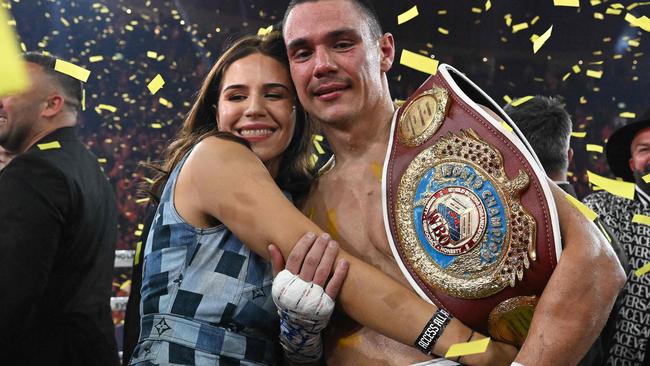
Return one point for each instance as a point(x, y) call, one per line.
point(325, 63)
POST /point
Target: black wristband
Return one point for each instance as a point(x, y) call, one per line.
point(432, 331)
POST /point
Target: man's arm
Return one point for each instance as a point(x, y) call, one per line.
point(31, 217)
point(579, 296)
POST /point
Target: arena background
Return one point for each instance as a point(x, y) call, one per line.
point(595, 59)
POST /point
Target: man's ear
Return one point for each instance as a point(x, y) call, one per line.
point(387, 47)
point(54, 105)
point(569, 154)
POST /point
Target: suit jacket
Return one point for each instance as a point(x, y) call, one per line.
point(58, 228)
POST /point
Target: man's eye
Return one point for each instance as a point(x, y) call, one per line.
point(343, 45)
point(302, 54)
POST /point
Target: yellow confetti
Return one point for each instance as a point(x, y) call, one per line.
point(488, 5)
point(102, 160)
point(579, 134)
point(156, 84)
point(418, 62)
point(521, 100)
point(107, 107)
point(566, 76)
point(152, 54)
point(95, 58)
point(331, 224)
point(165, 102)
point(641, 219)
point(49, 145)
point(539, 42)
point(264, 31)
point(443, 31)
point(641, 22)
point(589, 213)
point(407, 15)
point(507, 99)
point(506, 126)
point(535, 19)
point(138, 248)
point(377, 170)
point(13, 72)
point(613, 11)
point(599, 16)
point(141, 201)
point(71, 69)
point(595, 2)
point(508, 19)
point(633, 43)
point(594, 148)
point(156, 125)
point(316, 140)
point(646, 178)
point(350, 341)
point(468, 348)
point(643, 270)
point(138, 233)
point(583, 100)
point(477, 10)
point(517, 27)
point(573, 3)
point(615, 187)
point(576, 69)
point(627, 115)
point(83, 99)
point(65, 22)
point(595, 74)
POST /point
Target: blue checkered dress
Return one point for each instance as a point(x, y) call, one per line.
point(206, 298)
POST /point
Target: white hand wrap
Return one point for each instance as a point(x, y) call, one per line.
point(304, 310)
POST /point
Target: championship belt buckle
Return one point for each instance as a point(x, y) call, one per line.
point(468, 211)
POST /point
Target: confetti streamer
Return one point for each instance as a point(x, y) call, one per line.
point(595, 74)
point(641, 219)
point(539, 42)
point(419, 62)
point(106, 107)
point(594, 148)
point(49, 145)
point(468, 348)
point(572, 3)
point(643, 270)
point(521, 100)
point(407, 15)
point(589, 214)
point(13, 71)
point(615, 187)
point(72, 70)
point(316, 140)
point(156, 84)
point(377, 169)
point(518, 27)
point(264, 31)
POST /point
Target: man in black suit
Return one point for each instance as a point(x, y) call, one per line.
point(547, 126)
point(58, 228)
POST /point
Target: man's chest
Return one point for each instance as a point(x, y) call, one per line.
point(351, 211)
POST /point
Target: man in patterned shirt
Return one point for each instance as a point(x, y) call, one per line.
point(628, 156)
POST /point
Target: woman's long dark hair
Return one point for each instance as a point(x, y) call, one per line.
point(294, 174)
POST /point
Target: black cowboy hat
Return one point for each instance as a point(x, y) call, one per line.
point(618, 146)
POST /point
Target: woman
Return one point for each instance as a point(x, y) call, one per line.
point(205, 293)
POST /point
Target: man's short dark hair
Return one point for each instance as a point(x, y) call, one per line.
point(70, 86)
point(547, 126)
point(365, 6)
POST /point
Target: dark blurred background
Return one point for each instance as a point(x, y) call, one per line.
point(180, 40)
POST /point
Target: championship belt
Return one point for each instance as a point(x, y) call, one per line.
point(468, 211)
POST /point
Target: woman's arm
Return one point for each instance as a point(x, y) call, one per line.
point(231, 184)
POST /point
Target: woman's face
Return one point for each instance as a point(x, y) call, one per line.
point(256, 103)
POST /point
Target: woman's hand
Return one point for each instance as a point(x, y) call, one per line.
point(312, 259)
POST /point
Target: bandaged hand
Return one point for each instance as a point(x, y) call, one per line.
point(304, 296)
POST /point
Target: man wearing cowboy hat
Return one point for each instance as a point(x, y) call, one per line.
point(628, 156)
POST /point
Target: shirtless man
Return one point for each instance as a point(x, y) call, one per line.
point(339, 59)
